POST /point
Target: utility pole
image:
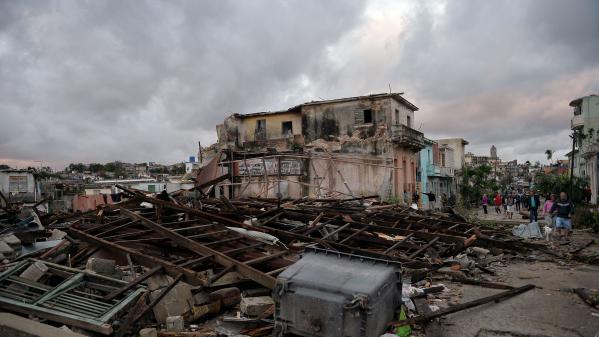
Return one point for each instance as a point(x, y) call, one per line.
point(573, 136)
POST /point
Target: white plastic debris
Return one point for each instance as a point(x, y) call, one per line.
point(530, 230)
point(262, 237)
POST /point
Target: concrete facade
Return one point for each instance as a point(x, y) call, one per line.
point(436, 173)
point(585, 120)
point(459, 150)
point(356, 146)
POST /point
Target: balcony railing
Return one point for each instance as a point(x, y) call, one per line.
point(408, 137)
point(433, 170)
point(447, 171)
point(576, 122)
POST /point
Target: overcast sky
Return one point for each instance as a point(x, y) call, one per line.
point(97, 81)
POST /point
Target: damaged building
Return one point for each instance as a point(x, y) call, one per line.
point(352, 146)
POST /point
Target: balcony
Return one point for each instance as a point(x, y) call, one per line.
point(577, 122)
point(433, 170)
point(407, 137)
point(447, 171)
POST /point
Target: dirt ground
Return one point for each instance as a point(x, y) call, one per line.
point(550, 310)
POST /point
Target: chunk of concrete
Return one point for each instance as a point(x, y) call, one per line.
point(177, 302)
point(57, 234)
point(6, 250)
point(13, 241)
point(101, 266)
point(148, 332)
point(35, 271)
point(255, 306)
point(201, 298)
point(17, 326)
point(175, 323)
point(158, 281)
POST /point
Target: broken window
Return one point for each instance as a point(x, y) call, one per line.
point(409, 122)
point(287, 128)
point(368, 116)
point(17, 184)
point(396, 116)
point(260, 132)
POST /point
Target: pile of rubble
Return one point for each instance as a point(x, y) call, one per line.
point(173, 265)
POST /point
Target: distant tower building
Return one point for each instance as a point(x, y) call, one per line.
point(493, 152)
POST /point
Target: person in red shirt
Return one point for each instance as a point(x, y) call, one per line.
point(497, 201)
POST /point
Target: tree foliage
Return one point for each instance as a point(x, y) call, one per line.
point(475, 183)
point(546, 184)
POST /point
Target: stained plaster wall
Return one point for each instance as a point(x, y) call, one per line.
point(291, 187)
point(359, 171)
point(238, 130)
point(339, 118)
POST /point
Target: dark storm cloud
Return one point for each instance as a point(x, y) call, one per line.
point(105, 80)
point(502, 73)
point(141, 81)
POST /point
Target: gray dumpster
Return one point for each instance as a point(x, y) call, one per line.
point(336, 294)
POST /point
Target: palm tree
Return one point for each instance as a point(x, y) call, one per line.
point(549, 154)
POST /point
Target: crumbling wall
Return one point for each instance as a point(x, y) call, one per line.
point(290, 187)
point(228, 132)
point(274, 128)
point(335, 119)
point(364, 174)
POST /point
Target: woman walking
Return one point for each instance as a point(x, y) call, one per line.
point(485, 203)
point(547, 210)
point(498, 200)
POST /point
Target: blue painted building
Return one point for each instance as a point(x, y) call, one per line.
point(426, 160)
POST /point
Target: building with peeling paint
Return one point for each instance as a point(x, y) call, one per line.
point(352, 146)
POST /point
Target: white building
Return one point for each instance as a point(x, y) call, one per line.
point(19, 185)
point(458, 145)
point(191, 165)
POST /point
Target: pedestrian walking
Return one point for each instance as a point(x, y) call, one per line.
point(563, 208)
point(510, 200)
point(533, 206)
point(547, 210)
point(518, 201)
point(485, 204)
point(497, 202)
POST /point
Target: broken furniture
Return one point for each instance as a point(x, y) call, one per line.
point(65, 295)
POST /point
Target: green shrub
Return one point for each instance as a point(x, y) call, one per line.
point(585, 217)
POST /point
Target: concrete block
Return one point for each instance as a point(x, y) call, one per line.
point(175, 323)
point(13, 241)
point(158, 281)
point(35, 271)
point(255, 306)
point(177, 302)
point(148, 332)
point(57, 234)
point(201, 298)
point(101, 266)
point(6, 250)
point(18, 326)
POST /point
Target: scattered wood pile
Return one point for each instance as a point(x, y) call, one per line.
point(173, 265)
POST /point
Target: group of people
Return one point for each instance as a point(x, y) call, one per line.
point(557, 213)
point(509, 200)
